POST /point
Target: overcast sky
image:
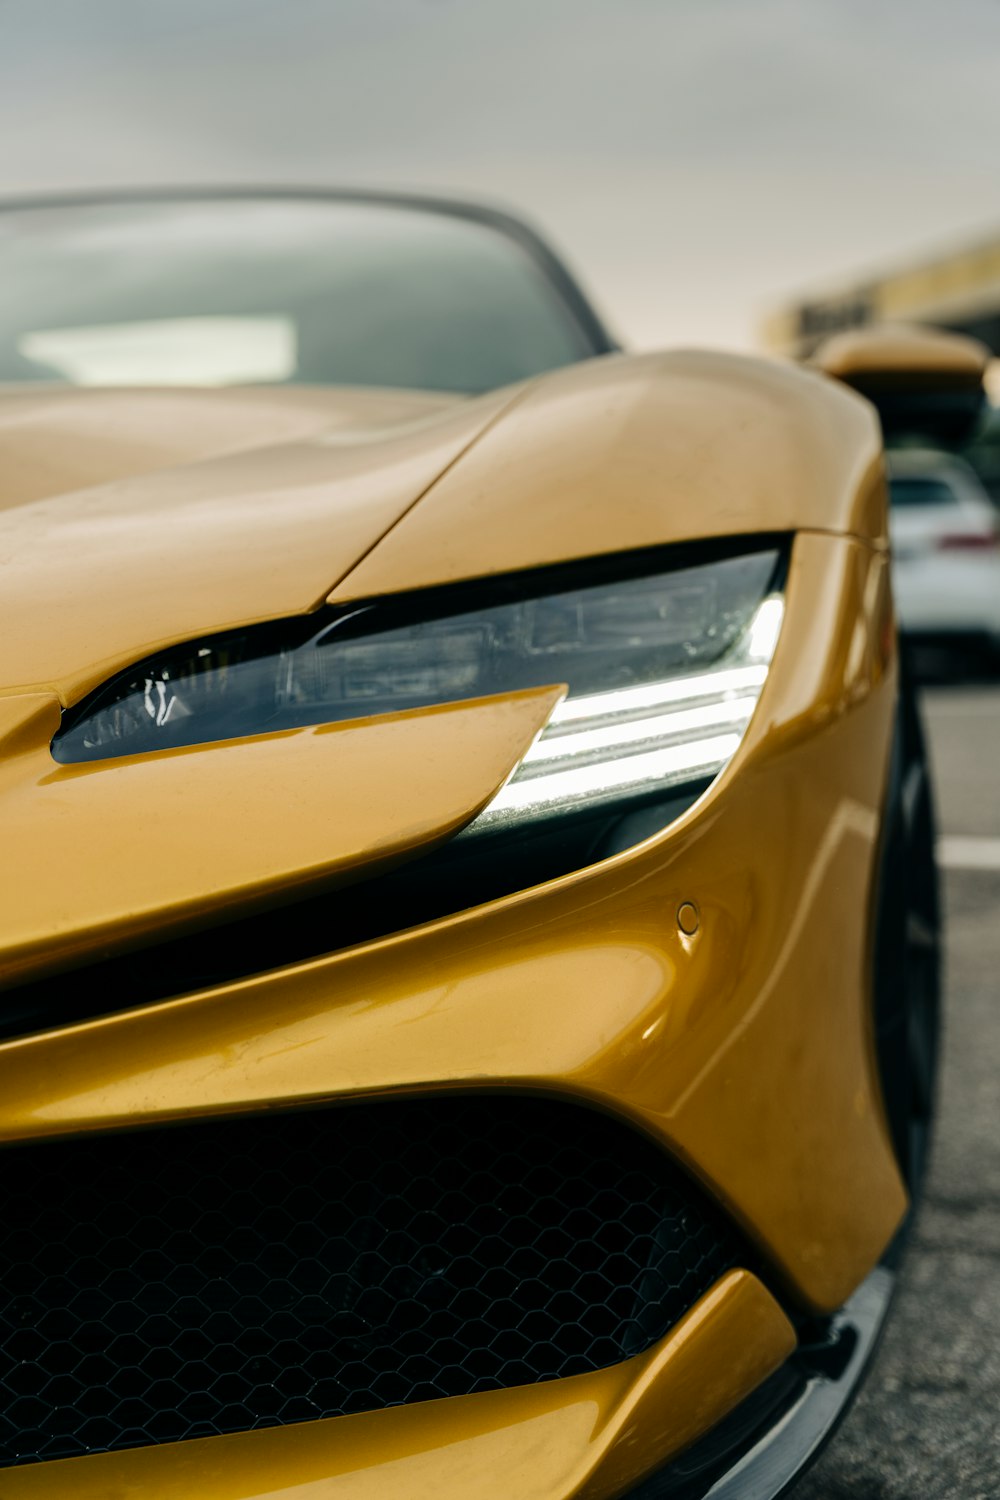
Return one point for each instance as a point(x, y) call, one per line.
point(697, 161)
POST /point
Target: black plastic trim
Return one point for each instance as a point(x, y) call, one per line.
point(758, 1451)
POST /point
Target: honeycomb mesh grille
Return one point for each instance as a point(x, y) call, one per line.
point(178, 1283)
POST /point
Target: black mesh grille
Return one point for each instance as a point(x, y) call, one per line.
point(177, 1283)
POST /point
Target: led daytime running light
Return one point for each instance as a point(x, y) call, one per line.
point(603, 746)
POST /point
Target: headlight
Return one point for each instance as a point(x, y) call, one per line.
point(662, 669)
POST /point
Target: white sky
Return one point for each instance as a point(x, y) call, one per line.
point(697, 161)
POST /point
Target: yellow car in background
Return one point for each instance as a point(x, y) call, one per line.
point(469, 933)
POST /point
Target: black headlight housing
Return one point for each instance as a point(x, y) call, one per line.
point(643, 645)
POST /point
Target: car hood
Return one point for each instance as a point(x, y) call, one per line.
point(130, 519)
point(633, 451)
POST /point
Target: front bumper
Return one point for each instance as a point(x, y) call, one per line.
point(744, 1050)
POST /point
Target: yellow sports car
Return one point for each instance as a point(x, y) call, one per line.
point(468, 936)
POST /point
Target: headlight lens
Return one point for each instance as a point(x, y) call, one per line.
point(663, 670)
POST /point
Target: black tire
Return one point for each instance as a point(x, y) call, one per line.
point(908, 947)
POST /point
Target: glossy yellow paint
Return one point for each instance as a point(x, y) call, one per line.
point(744, 1049)
point(606, 456)
point(623, 453)
point(58, 440)
point(282, 812)
point(97, 578)
point(586, 1437)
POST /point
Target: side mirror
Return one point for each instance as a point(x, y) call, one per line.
point(925, 383)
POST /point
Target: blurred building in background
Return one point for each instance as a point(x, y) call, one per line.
point(959, 290)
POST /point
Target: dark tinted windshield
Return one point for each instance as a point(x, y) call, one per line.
point(274, 290)
point(913, 492)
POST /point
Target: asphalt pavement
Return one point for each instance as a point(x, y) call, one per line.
point(927, 1423)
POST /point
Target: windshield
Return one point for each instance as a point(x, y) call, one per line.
point(237, 291)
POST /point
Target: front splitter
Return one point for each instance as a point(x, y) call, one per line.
point(765, 1445)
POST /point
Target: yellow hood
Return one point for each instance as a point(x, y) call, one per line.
point(131, 519)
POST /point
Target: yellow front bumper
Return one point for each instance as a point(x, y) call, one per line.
point(744, 1048)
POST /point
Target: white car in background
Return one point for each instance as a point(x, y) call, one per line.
point(945, 535)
